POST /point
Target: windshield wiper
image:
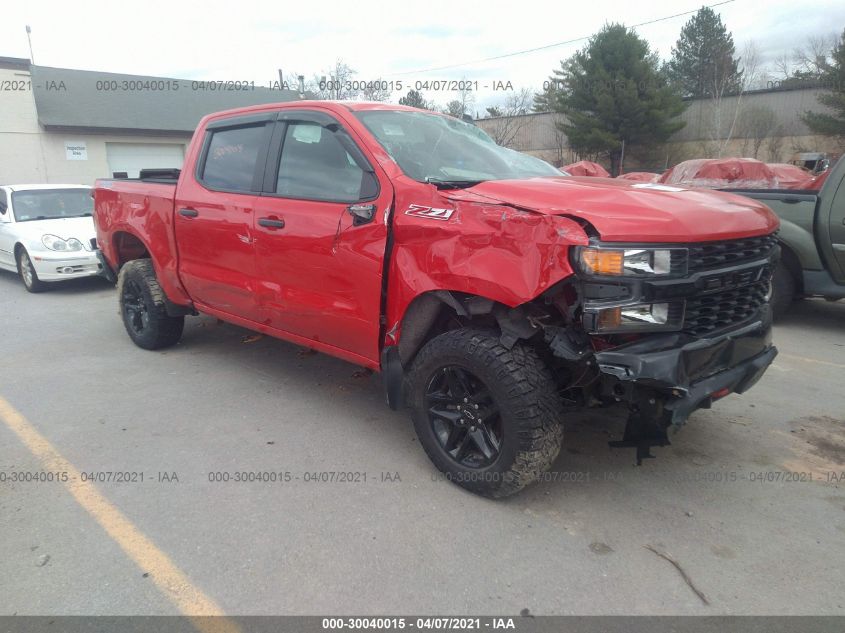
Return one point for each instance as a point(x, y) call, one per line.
point(452, 184)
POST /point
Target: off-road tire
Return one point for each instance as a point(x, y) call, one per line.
point(27, 272)
point(530, 410)
point(783, 290)
point(143, 308)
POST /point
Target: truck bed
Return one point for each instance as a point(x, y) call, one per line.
point(125, 208)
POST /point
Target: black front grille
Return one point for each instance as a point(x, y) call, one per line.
point(93, 243)
point(708, 255)
point(708, 313)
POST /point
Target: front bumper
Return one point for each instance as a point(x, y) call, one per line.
point(61, 266)
point(688, 373)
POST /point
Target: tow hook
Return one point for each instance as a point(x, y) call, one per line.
point(647, 425)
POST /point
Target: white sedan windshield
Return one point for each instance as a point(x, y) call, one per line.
point(47, 204)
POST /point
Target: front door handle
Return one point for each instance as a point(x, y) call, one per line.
point(271, 223)
point(189, 213)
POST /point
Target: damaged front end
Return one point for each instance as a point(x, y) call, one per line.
point(675, 328)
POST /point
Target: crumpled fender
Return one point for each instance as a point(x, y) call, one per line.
point(500, 252)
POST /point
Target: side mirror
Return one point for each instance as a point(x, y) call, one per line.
point(361, 213)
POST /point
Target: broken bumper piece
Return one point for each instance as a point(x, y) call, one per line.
point(665, 378)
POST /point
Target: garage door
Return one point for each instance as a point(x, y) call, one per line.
point(132, 157)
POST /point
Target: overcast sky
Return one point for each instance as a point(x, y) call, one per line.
point(250, 40)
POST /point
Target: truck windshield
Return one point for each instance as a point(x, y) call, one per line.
point(443, 150)
point(48, 204)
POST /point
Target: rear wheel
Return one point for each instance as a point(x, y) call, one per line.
point(27, 272)
point(143, 307)
point(488, 417)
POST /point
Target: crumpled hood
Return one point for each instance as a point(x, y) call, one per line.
point(65, 228)
point(623, 211)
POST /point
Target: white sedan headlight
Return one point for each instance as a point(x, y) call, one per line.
point(55, 243)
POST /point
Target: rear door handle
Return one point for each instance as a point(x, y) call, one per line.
point(271, 223)
point(189, 213)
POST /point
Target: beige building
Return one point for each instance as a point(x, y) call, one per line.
point(763, 124)
point(71, 126)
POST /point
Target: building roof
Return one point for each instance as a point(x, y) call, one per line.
point(68, 99)
point(14, 63)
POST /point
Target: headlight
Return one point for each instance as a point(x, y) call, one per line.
point(55, 243)
point(632, 262)
point(652, 317)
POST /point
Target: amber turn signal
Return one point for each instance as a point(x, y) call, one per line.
point(602, 261)
point(610, 319)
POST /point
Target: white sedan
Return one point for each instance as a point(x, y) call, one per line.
point(47, 233)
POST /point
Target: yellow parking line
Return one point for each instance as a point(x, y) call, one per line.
point(169, 579)
point(812, 360)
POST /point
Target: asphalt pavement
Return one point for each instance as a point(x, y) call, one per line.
point(341, 511)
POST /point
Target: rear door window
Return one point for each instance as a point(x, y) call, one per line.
point(231, 158)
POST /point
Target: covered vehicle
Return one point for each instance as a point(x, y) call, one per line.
point(721, 173)
point(789, 176)
point(494, 294)
point(639, 176)
point(586, 168)
point(47, 233)
point(813, 182)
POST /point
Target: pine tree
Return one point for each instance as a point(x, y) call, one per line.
point(834, 77)
point(612, 92)
point(414, 99)
point(703, 62)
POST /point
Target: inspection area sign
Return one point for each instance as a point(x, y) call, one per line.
point(76, 150)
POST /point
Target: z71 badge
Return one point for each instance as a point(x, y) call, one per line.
point(429, 212)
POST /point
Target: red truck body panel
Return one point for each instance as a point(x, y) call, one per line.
point(319, 281)
point(145, 211)
point(622, 211)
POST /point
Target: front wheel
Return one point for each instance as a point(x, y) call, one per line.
point(143, 307)
point(27, 272)
point(488, 417)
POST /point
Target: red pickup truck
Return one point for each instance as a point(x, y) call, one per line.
point(492, 292)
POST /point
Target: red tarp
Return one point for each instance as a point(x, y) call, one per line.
point(640, 176)
point(716, 173)
point(789, 175)
point(586, 168)
point(812, 182)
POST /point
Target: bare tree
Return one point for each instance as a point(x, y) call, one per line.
point(813, 58)
point(756, 124)
point(466, 96)
point(783, 67)
point(334, 83)
point(377, 90)
point(774, 145)
point(720, 118)
point(561, 142)
point(510, 122)
point(752, 70)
